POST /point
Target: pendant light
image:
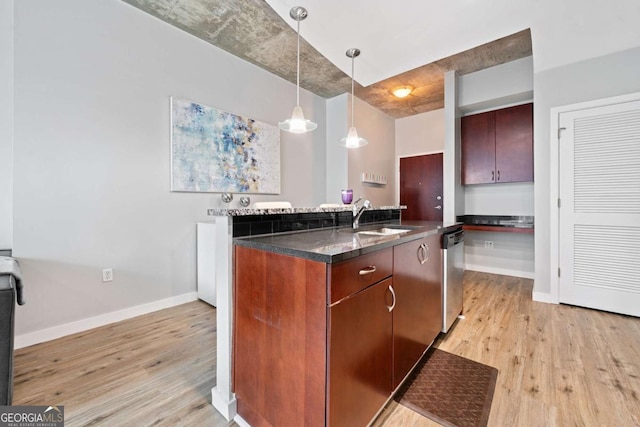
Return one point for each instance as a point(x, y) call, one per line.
point(353, 140)
point(297, 122)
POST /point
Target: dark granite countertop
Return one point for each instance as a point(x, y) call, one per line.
point(508, 221)
point(339, 244)
point(273, 211)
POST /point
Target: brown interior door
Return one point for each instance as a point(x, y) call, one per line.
point(421, 187)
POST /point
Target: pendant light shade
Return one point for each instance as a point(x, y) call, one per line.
point(297, 123)
point(352, 140)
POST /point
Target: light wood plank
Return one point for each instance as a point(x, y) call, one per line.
point(156, 369)
point(558, 365)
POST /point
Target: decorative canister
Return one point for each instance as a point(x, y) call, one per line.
point(347, 196)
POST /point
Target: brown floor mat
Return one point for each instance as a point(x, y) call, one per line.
point(450, 389)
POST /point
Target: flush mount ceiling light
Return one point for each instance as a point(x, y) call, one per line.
point(402, 91)
point(353, 140)
point(297, 122)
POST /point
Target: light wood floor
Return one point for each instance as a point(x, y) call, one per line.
point(156, 369)
point(558, 365)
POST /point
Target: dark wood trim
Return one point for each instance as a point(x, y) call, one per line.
point(499, 229)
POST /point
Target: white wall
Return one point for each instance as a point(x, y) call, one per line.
point(499, 199)
point(337, 156)
point(606, 76)
point(375, 157)
point(92, 154)
point(420, 134)
point(496, 87)
point(6, 124)
point(512, 253)
point(452, 188)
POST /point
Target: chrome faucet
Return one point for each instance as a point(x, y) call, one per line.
point(357, 212)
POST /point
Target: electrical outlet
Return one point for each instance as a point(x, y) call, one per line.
point(107, 275)
point(488, 244)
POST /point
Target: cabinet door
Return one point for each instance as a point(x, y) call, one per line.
point(417, 316)
point(514, 144)
point(360, 341)
point(280, 335)
point(478, 148)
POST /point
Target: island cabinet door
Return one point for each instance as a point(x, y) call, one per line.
point(417, 316)
point(360, 355)
point(280, 336)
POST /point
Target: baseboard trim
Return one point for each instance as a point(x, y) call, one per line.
point(241, 421)
point(542, 297)
point(502, 271)
point(49, 334)
point(228, 408)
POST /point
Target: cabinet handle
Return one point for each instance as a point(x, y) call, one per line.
point(498, 175)
point(493, 176)
point(393, 294)
point(424, 253)
point(369, 270)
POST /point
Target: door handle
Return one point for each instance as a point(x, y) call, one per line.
point(393, 294)
point(438, 207)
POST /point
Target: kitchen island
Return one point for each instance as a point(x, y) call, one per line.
point(329, 323)
point(215, 260)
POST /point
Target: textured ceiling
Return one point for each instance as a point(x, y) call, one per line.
point(253, 31)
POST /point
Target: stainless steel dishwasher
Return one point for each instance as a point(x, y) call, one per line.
point(452, 271)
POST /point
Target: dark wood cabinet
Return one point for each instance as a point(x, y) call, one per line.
point(417, 316)
point(497, 146)
point(320, 344)
point(279, 353)
point(348, 277)
point(360, 355)
point(360, 337)
point(514, 144)
point(478, 148)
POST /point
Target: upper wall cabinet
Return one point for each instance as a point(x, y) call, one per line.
point(497, 146)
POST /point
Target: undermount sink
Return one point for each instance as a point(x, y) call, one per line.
point(385, 231)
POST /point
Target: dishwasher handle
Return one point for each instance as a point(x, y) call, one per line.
point(451, 239)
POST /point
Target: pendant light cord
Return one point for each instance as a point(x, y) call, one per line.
point(298, 67)
point(352, 74)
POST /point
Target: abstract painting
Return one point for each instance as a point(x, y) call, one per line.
point(216, 151)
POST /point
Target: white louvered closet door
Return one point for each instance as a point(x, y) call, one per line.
point(600, 208)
